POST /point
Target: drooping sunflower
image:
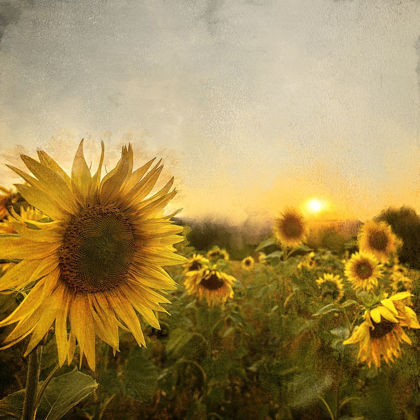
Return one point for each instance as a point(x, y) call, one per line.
point(248, 263)
point(195, 263)
point(381, 334)
point(213, 285)
point(379, 240)
point(218, 254)
point(331, 287)
point(363, 270)
point(290, 229)
point(98, 259)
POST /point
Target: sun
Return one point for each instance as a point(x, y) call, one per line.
point(315, 206)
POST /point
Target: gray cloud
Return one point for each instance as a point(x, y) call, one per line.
point(10, 12)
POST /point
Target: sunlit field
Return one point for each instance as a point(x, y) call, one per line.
point(111, 308)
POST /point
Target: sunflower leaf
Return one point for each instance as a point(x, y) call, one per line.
point(270, 241)
point(61, 394)
point(11, 406)
point(140, 376)
point(64, 392)
point(332, 307)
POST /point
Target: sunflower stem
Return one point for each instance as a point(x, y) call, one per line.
point(32, 379)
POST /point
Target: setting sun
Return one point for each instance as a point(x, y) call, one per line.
point(315, 206)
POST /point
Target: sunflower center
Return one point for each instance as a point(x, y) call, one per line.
point(378, 240)
point(195, 265)
point(381, 328)
point(97, 249)
point(292, 227)
point(212, 282)
point(363, 270)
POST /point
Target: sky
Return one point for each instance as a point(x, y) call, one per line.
point(255, 105)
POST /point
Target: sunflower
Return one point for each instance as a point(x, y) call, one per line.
point(248, 263)
point(97, 259)
point(331, 287)
point(290, 229)
point(218, 254)
point(214, 285)
point(381, 334)
point(7, 198)
point(28, 213)
point(363, 270)
point(307, 261)
point(262, 257)
point(195, 263)
point(379, 240)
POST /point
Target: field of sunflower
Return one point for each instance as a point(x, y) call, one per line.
point(108, 312)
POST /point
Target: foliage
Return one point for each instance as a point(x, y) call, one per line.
point(405, 223)
point(274, 351)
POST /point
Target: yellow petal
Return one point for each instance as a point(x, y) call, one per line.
point(53, 184)
point(16, 248)
point(44, 323)
point(144, 187)
point(113, 181)
point(27, 306)
point(375, 314)
point(96, 179)
point(36, 235)
point(47, 161)
point(127, 315)
point(61, 329)
point(387, 314)
point(400, 296)
point(80, 175)
point(19, 275)
point(136, 176)
point(42, 201)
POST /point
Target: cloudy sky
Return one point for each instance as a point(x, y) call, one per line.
point(255, 105)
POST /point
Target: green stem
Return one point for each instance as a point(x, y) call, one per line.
point(32, 379)
point(327, 407)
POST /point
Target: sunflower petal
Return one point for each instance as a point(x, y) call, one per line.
point(42, 201)
point(80, 175)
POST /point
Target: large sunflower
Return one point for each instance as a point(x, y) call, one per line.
point(290, 229)
point(331, 286)
point(381, 334)
point(363, 270)
point(97, 260)
point(379, 240)
point(213, 285)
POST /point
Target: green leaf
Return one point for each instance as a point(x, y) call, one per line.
point(270, 241)
point(61, 394)
point(341, 332)
point(331, 307)
point(275, 254)
point(64, 392)
point(11, 406)
point(178, 339)
point(140, 376)
point(349, 303)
